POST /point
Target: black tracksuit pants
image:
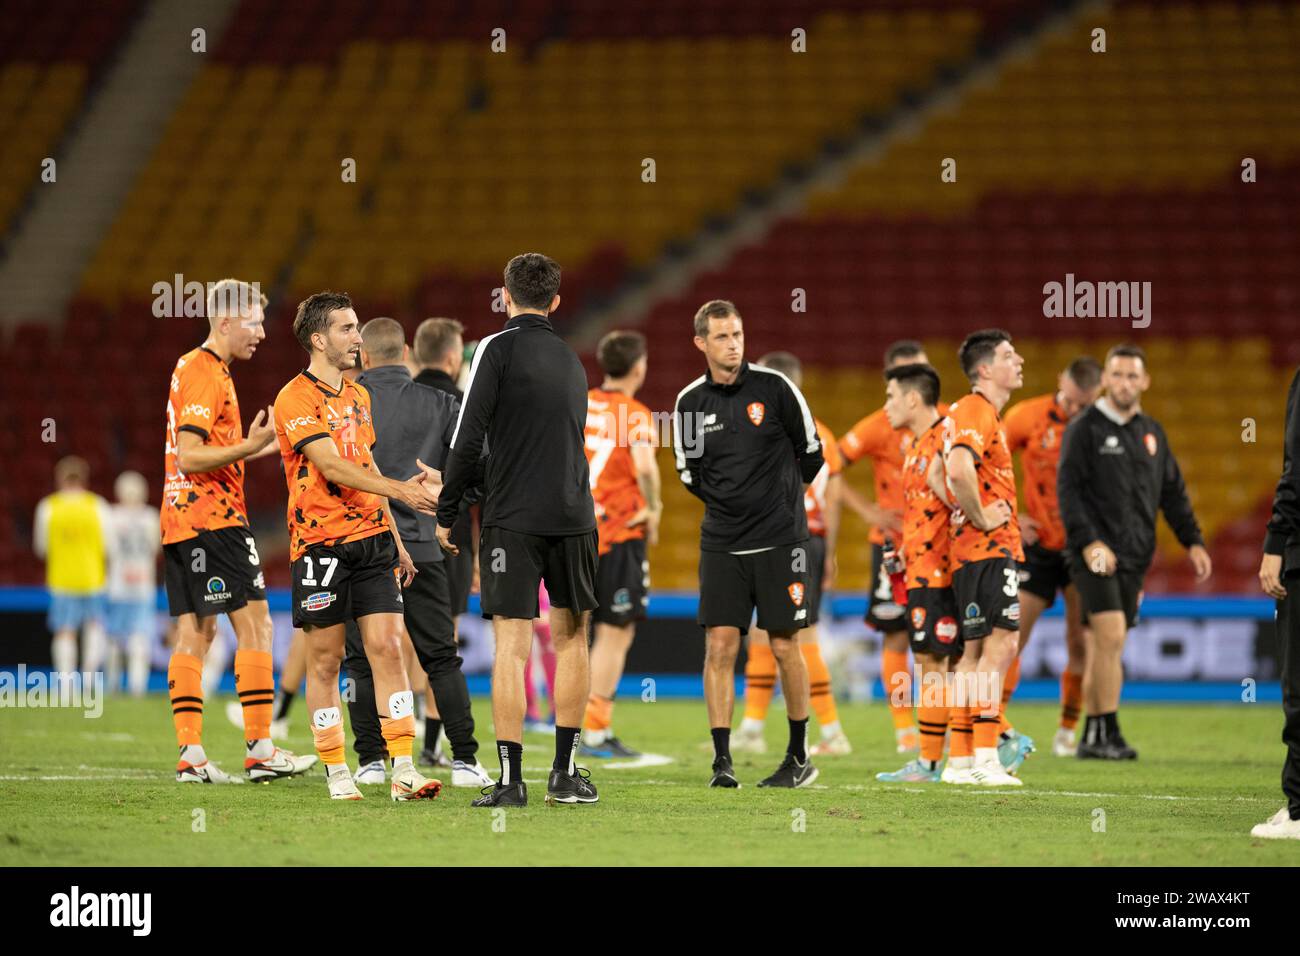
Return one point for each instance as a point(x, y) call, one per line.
point(429, 621)
point(1288, 655)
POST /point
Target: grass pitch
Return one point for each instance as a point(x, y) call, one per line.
point(101, 792)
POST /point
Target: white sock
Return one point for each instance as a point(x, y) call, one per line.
point(113, 669)
point(336, 770)
point(193, 754)
point(94, 647)
point(137, 664)
point(751, 725)
point(401, 763)
point(63, 651)
point(986, 755)
point(214, 664)
point(960, 763)
point(594, 738)
point(830, 730)
point(260, 749)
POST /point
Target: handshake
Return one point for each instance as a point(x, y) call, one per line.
point(420, 491)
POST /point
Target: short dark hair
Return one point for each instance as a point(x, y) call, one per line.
point(1127, 350)
point(619, 351)
point(434, 339)
point(313, 315)
point(383, 339)
point(713, 309)
point(1085, 371)
point(978, 348)
point(916, 378)
point(533, 280)
point(902, 349)
point(785, 363)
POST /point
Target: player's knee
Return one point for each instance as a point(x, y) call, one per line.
point(324, 663)
point(784, 648)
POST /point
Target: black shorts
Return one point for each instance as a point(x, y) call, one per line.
point(1122, 591)
point(988, 596)
point(622, 584)
point(816, 572)
point(215, 572)
point(335, 583)
point(883, 612)
point(932, 619)
point(1044, 572)
point(512, 565)
point(775, 582)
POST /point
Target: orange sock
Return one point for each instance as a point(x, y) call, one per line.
point(934, 723)
point(185, 684)
point(1071, 699)
point(897, 681)
point(760, 681)
point(961, 744)
point(327, 730)
point(600, 710)
point(1009, 684)
point(255, 682)
point(399, 734)
point(819, 684)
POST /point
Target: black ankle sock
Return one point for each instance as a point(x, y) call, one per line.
point(798, 738)
point(721, 742)
point(432, 727)
point(282, 701)
point(512, 759)
point(566, 747)
point(1111, 723)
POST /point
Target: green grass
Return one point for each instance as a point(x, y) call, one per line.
point(1206, 775)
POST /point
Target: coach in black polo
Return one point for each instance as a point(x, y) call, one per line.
point(746, 445)
point(527, 399)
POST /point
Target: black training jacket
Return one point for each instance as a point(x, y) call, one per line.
point(1111, 480)
point(527, 397)
point(411, 421)
point(1283, 535)
point(746, 450)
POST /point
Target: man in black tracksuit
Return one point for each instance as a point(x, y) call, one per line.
point(439, 351)
point(414, 423)
point(746, 445)
point(1116, 471)
point(526, 398)
point(1279, 576)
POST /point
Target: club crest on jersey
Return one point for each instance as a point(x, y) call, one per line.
point(796, 593)
point(755, 411)
point(918, 618)
point(1150, 441)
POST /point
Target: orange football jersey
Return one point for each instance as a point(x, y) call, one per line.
point(615, 422)
point(925, 517)
point(202, 400)
point(814, 496)
point(874, 438)
point(886, 446)
point(972, 422)
point(1034, 428)
point(319, 511)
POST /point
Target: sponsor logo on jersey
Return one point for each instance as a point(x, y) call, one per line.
point(945, 630)
point(918, 618)
point(801, 614)
point(1111, 446)
point(755, 411)
point(318, 601)
point(622, 601)
point(216, 588)
point(1150, 441)
point(796, 593)
point(1013, 611)
point(972, 610)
